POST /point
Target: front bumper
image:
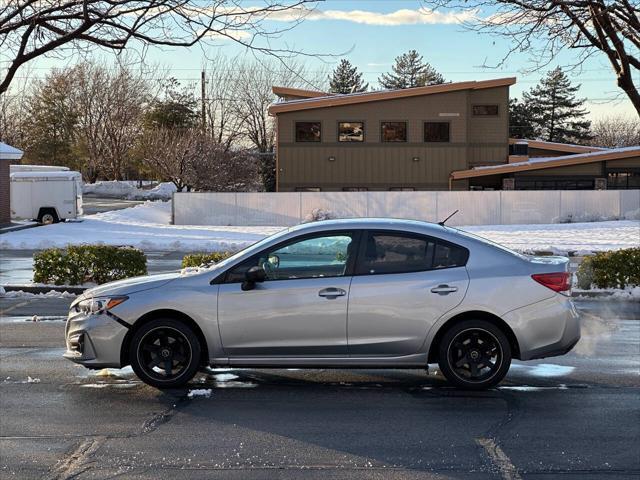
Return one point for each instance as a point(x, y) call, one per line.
point(545, 329)
point(94, 340)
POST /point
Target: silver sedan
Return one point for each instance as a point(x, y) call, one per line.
point(375, 293)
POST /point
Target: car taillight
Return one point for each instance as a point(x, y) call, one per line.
point(558, 282)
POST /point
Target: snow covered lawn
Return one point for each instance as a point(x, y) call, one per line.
point(147, 227)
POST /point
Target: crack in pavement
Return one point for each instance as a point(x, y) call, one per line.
point(75, 462)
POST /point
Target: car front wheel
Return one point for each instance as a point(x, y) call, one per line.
point(474, 354)
point(165, 353)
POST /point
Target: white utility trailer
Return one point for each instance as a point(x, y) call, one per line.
point(48, 196)
point(37, 168)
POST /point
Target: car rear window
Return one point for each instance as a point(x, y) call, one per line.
point(390, 252)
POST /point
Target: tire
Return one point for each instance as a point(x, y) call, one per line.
point(165, 353)
point(474, 355)
point(47, 216)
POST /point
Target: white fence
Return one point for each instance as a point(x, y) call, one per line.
point(475, 208)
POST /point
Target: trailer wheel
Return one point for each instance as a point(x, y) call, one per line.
point(47, 216)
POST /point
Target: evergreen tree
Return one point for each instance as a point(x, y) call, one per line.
point(409, 71)
point(346, 79)
point(51, 121)
point(177, 110)
point(521, 122)
point(558, 115)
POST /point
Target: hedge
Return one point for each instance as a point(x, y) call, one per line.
point(615, 269)
point(198, 259)
point(76, 265)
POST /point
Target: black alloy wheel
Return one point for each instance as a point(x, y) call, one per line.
point(474, 354)
point(165, 353)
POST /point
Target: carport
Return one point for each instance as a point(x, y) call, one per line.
point(8, 155)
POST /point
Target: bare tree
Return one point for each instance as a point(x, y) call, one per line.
point(223, 124)
point(543, 28)
point(616, 131)
point(223, 170)
point(33, 28)
point(170, 154)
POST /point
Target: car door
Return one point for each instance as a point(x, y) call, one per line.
point(301, 307)
point(403, 283)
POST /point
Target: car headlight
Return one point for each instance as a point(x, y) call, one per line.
point(98, 304)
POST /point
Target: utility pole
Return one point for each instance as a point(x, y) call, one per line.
point(202, 98)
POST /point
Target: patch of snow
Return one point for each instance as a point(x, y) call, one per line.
point(32, 380)
point(630, 294)
point(22, 294)
point(530, 388)
point(147, 226)
point(199, 392)
point(129, 190)
point(94, 385)
point(225, 377)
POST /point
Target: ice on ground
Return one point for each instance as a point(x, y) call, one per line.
point(546, 370)
point(199, 392)
point(530, 388)
point(148, 227)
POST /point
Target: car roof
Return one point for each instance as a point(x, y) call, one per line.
point(369, 223)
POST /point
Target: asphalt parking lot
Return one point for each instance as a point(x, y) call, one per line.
point(576, 416)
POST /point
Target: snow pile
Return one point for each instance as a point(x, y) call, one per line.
point(199, 392)
point(128, 190)
point(22, 294)
point(630, 294)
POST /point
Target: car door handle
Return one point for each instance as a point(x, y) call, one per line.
point(444, 289)
point(332, 292)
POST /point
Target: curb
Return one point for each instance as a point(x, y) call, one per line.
point(18, 227)
point(43, 289)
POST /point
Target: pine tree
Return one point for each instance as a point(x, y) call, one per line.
point(409, 71)
point(51, 122)
point(346, 79)
point(558, 115)
point(521, 122)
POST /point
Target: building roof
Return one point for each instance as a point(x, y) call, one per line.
point(297, 92)
point(353, 98)
point(560, 147)
point(7, 152)
point(540, 163)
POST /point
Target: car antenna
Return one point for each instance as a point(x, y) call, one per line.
point(445, 220)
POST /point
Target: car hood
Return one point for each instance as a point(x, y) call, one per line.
point(131, 285)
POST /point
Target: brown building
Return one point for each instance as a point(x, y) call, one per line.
point(8, 155)
point(437, 137)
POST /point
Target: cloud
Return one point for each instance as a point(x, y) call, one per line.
point(420, 16)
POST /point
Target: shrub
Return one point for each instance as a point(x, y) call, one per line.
point(318, 215)
point(198, 259)
point(615, 269)
point(79, 264)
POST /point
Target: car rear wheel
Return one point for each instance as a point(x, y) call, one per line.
point(165, 353)
point(474, 354)
point(47, 216)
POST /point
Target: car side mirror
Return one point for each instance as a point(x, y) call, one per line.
point(254, 275)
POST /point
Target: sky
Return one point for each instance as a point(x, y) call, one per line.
point(371, 33)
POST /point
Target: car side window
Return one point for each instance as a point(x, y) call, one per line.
point(311, 257)
point(447, 255)
point(391, 252)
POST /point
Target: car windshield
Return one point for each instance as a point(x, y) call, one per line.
point(250, 249)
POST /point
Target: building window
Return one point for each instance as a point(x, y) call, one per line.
point(394, 131)
point(351, 131)
point(485, 110)
point(623, 180)
point(436, 131)
point(354, 189)
point(307, 189)
point(308, 131)
point(402, 189)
